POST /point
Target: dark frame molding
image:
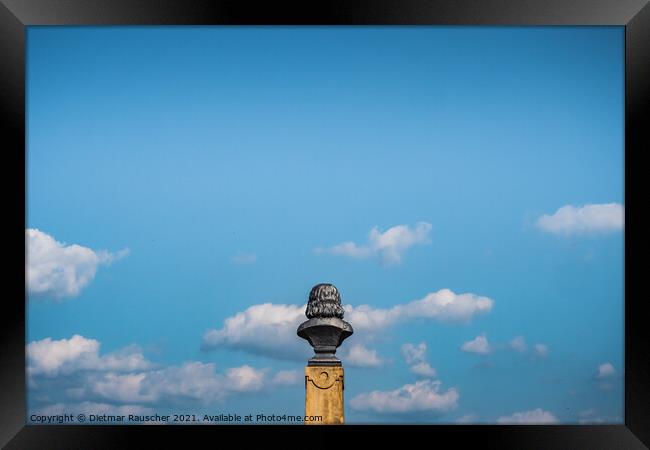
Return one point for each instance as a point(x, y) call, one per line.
point(15, 15)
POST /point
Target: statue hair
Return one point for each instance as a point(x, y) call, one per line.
point(324, 301)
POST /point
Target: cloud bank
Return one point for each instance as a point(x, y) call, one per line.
point(192, 380)
point(57, 270)
point(269, 329)
point(442, 306)
point(125, 380)
point(422, 396)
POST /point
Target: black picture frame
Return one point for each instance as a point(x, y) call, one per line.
point(15, 15)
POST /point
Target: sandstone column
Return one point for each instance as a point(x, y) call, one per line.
point(324, 394)
point(325, 331)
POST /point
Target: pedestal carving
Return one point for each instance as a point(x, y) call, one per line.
point(324, 395)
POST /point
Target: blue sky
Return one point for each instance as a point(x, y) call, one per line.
point(178, 176)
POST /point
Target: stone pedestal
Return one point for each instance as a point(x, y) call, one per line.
point(324, 394)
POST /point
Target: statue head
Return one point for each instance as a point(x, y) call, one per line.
point(324, 301)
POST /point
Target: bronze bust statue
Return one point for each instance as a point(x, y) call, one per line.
point(325, 330)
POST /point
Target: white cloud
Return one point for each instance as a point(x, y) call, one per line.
point(534, 417)
point(415, 357)
point(121, 387)
point(57, 270)
point(422, 396)
point(244, 258)
point(389, 246)
point(75, 368)
point(199, 382)
point(423, 369)
point(592, 218)
point(192, 380)
point(360, 356)
point(269, 329)
point(245, 378)
point(541, 350)
point(518, 344)
point(50, 357)
point(287, 378)
point(605, 370)
point(478, 345)
point(348, 249)
point(414, 354)
point(444, 306)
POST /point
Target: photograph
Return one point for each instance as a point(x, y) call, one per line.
point(250, 225)
point(324, 223)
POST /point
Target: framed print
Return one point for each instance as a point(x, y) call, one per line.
point(381, 218)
